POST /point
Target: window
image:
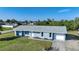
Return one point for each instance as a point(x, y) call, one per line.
point(42, 34)
point(26, 32)
point(19, 33)
point(49, 34)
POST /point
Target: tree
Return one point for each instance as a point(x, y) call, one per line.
point(1, 20)
point(26, 22)
point(70, 24)
point(13, 21)
point(49, 20)
point(76, 22)
point(8, 21)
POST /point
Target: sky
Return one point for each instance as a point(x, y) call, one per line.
point(35, 13)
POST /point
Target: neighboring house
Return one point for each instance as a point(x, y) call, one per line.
point(47, 32)
point(9, 25)
point(2, 23)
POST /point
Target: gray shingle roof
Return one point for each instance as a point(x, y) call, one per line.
point(53, 29)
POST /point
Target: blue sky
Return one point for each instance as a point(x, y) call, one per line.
point(42, 13)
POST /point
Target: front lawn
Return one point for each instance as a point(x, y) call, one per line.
point(22, 43)
point(11, 34)
point(5, 28)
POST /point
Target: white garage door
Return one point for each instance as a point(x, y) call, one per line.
point(60, 37)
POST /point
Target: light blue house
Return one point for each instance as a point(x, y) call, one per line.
point(47, 32)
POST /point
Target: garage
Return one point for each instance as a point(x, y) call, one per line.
point(60, 37)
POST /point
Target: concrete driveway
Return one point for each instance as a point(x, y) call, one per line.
point(68, 45)
point(58, 45)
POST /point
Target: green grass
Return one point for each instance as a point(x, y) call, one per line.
point(5, 28)
point(73, 32)
point(22, 44)
point(7, 35)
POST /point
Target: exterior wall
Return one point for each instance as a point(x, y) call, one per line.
point(15, 33)
point(38, 34)
point(45, 35)
point(33, 34)
point(22, 33)
point(60, 37)
point(30, 34)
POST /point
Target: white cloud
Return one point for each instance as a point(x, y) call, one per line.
point(64, 10)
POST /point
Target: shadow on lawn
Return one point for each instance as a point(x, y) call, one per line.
point(8, 38)
point(72, 37)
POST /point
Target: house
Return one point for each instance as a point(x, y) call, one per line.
point(47, 32)
point(2, 23)
point(9, 25)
